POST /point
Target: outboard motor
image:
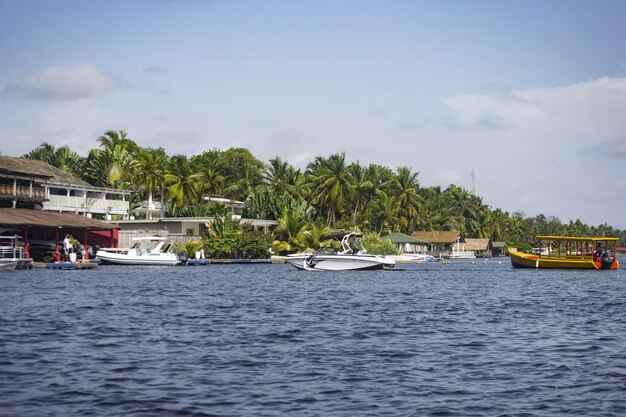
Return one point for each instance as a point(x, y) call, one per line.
point(183, 257)
point(607, 260)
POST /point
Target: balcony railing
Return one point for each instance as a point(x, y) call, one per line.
point(82, 204)
point(37, 194)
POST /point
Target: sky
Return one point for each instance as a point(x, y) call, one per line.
point(529, 95)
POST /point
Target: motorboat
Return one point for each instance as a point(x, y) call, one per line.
point(413, 257)
point(351, 257)
point(568, 252)
point(137, 255)
point(13, 255)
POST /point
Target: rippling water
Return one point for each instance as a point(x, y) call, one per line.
point(458, 339)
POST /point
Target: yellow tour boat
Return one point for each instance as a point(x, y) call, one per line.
point(569, 253)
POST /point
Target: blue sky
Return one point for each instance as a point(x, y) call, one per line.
point(529, 94)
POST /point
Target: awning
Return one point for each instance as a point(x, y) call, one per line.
point(41, 218)
point(400, 238)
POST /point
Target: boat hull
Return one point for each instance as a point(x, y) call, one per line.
point(526, 260)
point(122, 259)
point(340, 262)
point(15, 263)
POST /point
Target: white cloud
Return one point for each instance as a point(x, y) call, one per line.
point(543, 150)
point(615, 148)
point(63, 83)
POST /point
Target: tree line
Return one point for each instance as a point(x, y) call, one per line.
point(331, 193)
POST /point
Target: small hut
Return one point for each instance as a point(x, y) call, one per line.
point(407, 244)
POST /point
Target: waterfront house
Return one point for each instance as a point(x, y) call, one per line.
point(499, 248)
point(32, 184)
point(407, 244)
point(441, 241)
point(482, 248)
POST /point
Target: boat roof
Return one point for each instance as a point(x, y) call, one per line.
point(578, 238)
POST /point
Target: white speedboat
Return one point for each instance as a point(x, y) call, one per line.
point(136, 255)
point(348, 259)
point(413, 257)
point(12, 255)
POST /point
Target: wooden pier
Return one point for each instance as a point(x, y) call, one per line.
point(203, 262)
point(71, 266)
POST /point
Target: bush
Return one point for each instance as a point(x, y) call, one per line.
point(375, 245)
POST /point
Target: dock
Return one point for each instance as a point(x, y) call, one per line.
point(203, 262)
point(71, 266)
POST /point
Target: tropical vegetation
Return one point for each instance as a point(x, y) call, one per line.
point(330, 193)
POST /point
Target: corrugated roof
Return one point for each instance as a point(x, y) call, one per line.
point(42, 218)
point(438, 236)
point(404, 238)
point(30, 167)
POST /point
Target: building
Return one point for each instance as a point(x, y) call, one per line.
point(178, 229)
point(32, 184)
point(441, 241)
point(154, 209)
point(482, 248)
point(42, 231)
point(407, 244)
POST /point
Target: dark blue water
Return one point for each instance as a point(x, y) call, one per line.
point(458, 339)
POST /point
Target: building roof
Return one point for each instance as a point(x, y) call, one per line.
point(476, 244)
point(399, 238)
point(498, 244)
point(438, 236)
point(32, 167)
point(26, 217)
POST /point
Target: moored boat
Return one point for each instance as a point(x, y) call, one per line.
point(568, 252)
point(160, 255)
point(348, 259)
point(13, 255)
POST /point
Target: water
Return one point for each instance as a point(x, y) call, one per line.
point(458, 339)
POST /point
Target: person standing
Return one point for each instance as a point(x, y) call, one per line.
point(67, 247)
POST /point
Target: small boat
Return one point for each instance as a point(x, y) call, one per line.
point(413, 257)
point(136, 255)
point(568, 252)
point(348, 259)
point(12, 254)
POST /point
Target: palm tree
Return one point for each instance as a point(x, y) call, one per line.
point(115, 163)
point(384, 213)
point(184, 186)
point(276, 176)
point(211, 178)
point(407, 198)
point(313, 237)
point(292, 229)
point(332, 184)
point(244, 185)
point(112, 139)
point(150, 174)
point(63, 158)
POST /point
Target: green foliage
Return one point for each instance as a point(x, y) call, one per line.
point(332, 191)
point(375, 245)
point(228, 240)
point(191, 247)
